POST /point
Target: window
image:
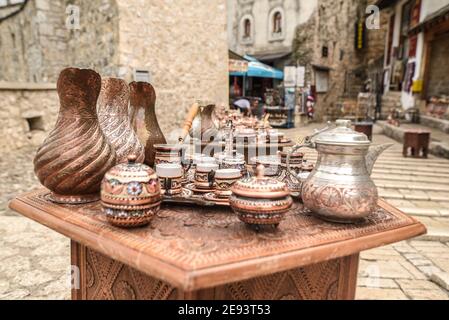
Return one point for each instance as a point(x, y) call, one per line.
point(246, 31)
point(277, 22)
point(35, 123)
point(247, 28)
point(321, 81)
point(324, 51)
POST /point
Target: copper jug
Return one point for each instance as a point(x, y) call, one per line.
point(340, 188)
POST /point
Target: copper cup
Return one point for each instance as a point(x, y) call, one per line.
point(170, 177)
point(205, 175)
point(224, 179)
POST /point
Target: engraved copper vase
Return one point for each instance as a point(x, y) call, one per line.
point(75, 156)
point(143, 118)
point(115, 120)
point(205, 127)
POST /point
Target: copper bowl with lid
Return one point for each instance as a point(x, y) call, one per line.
point(130, 194)
point(260, 200)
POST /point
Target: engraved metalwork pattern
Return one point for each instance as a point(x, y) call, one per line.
point(194, 237)
point(75, 156)
point(143, 98)
point(115, 120)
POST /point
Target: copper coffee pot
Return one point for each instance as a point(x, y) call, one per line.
point(340, 188)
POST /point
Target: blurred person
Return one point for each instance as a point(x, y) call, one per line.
point(255, 108)
point(310, 105)
point(243, 105)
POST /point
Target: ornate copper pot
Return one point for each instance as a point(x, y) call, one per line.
point(260, 200)
point(130, 194)
point(115, 120)
point(143, 118)
point(340, 188)
point(75, 156)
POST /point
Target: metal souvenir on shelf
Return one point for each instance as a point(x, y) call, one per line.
point(340, 188)
point(143, 118)
point(130, 194)
point(75, 156)
point(260, 200)
point(115, 122)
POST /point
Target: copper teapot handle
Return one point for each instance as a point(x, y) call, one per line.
point(306, 144)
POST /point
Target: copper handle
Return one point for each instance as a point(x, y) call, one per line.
point(189, 120)
point(306, 144)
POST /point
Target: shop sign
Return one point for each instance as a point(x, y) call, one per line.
point(289, 76)
point(360, 29)
point(238, 66)
point(300, 76)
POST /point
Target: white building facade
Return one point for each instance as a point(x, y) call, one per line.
point(266, 29)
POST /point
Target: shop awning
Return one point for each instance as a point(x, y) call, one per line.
point(259, 69)
point(268, 57)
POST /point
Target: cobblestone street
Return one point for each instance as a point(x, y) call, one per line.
point(34, 261)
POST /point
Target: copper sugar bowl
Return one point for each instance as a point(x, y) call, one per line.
point(130, 194)
point(260, 200)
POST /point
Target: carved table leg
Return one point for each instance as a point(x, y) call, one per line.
point(102, 278)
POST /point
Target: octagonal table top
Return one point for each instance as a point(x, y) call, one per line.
point(195, 247)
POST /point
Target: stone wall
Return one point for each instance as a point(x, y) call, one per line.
point(184, 45)
point(32, 43)
point(95, 44)
point(333, 26)
point(26, 116)
point(438, 83)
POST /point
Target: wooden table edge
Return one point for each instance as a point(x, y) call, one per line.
point(191, 280)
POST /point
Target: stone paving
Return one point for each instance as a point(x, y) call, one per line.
point(34, 261)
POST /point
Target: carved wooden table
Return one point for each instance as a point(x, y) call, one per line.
point(207, 253)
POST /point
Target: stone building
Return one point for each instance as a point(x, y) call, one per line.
point(265, 29)
point(417, 55)
point(339, 52)
point(185, 57)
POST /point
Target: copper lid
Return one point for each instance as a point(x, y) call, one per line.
point(129, 184)
point(343, 135)
point(260, 186)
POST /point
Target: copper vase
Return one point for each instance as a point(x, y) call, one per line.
point(75, 156)
point(204, 126)
point(143, 118)
point(115, 120)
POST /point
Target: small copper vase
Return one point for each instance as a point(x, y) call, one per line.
point(115, 120)
point(75, 156)
point(204, 127)
point(143, 118)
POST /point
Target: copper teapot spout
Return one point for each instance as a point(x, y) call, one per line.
point(373, 153)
